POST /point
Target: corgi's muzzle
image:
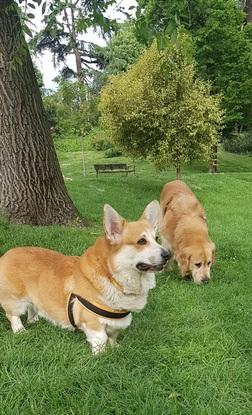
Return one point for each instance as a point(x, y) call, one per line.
point(165, 256)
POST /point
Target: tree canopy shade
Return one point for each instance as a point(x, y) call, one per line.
point(32, 188)
point(159, 109)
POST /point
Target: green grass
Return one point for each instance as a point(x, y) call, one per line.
point(188, 352)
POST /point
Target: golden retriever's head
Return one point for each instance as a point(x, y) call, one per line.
point(197, 261)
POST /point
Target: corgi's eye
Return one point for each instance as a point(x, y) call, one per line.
point(157, 238)
point(198, 264)
point(142, 241)
point(209, 263)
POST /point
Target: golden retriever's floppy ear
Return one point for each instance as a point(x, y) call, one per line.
point(113, 224)
point(152, 213)
point(183, 259)
point(213, 251)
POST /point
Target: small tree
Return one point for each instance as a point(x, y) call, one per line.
point(159, 109)
point(68, 109)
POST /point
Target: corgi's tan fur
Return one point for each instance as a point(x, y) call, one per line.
point(115, 273)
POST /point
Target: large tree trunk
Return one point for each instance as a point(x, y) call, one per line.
point(248, 10)
point(32, 189)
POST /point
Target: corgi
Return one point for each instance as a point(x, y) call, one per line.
point(95, 292)
point(184, 231)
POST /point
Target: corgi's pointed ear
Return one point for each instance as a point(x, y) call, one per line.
point(152, 214)
point(113, 224)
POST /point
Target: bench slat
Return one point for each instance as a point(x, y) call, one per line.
point(113, 168)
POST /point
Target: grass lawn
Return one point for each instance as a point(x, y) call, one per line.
point(188, 352)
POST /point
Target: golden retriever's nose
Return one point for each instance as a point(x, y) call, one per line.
point(205, 280)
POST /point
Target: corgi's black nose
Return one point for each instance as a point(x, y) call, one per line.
point(165, 254)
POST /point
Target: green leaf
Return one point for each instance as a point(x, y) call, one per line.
point(27, 30)
point(30, 16)
point(43, 7)
point(32, 5)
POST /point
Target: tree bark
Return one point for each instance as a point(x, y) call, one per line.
point(32, 189)
point(248, 10)
point(178, 172)
point(213, 163)
point(73, 37)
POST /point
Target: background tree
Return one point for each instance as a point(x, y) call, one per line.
point(222, 44)
point(122, 50)
point(70, 112)
point(66, 22)
point(248, 10)
point(159, 109)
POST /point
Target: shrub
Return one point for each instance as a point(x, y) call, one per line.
point(239, 143)
point(67, 144)
point(100, 144)
point(112, 152)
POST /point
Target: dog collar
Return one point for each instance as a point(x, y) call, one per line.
point(91, 307)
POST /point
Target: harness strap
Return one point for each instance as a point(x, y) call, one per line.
point(91, 307)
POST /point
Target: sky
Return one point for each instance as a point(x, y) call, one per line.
point(44, 61)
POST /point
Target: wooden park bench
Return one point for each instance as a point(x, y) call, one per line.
point(114, 168)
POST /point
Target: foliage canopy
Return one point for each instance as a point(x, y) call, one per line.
point(222, 44)
point(159, 109)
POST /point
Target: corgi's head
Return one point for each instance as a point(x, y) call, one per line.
point(134, 243)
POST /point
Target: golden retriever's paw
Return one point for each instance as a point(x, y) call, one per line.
point(33, 319)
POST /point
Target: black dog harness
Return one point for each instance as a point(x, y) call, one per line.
point(91, 307)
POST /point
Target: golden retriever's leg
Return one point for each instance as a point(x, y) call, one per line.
point(112, 336)
point(97, 339)
point(32, 314)
point(166, 244)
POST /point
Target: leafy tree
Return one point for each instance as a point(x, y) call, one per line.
point(122, 50)
point(66, 22)
point(159, 109)
point(69, 111)
point(222, 44)
point(39, 77)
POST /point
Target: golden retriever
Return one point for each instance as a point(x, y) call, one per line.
point(184, 231)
